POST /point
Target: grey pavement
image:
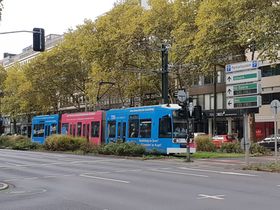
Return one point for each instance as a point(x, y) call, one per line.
point(52, 181)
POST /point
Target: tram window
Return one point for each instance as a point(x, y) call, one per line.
point(95, 129)
point(145, 128)
point(133, 126)
point(53, 129)
point(79, 129)
point(165, 127)
point(64, 128)
point(112, 129)
point(38, 130)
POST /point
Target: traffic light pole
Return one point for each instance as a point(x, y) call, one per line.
point(164, 57)
point(38, 37)
point(188, 152)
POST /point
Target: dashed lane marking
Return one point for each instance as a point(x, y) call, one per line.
point(104, 178)
point(218, 172)
point(215, 197)
point(178, 173)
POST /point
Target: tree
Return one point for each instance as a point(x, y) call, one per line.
point(1, 8)
point(3, 75)
point(184, 34)
point(118, 51)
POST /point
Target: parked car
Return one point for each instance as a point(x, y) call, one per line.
point(269, 142)
point(218, 140)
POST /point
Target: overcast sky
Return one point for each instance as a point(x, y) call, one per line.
point(55, 16)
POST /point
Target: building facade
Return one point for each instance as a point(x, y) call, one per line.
point(231, 121)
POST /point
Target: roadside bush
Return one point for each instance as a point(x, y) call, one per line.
point(18, 143)
point(231, 147)
point(123, 149)
point(88, 147)
point(63, 143)
point(4, 142)
point(258, 149)
point(204, 144)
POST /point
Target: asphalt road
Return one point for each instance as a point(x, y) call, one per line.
point(54, 181)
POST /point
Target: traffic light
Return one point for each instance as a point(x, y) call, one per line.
point(38, 39)
point(182, 113)
point(197, 112)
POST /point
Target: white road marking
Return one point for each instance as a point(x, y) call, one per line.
point(31, 178)
point(12, 164)
point(218, 172)
point(51, 176)
point(128, 170)
point(29, 192)
point(103, 178)
point(215, 197)
point(178, 173)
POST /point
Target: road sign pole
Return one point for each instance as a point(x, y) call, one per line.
point(246, 139)
point(275, 107)
point(275, 134)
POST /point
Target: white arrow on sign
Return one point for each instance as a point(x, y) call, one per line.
point(230, 104)
point(229, 90)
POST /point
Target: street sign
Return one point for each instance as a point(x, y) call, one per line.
point(242, 66)
point(243, 77)
point(244, 102)
point(243, 89)
point(182, 96)
point(275, 107)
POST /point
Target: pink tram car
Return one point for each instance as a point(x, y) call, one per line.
point(84, 124)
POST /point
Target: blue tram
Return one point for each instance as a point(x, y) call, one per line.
point(44, 126)
point(158, 127)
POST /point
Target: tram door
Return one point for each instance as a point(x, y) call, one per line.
point(122, 131)
point(86, 131)
point(47, 130)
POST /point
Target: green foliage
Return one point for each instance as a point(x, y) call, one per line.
point(204, 143)
point(258, 149)
point(17, 143)
point(63, 143)
point(88, 147)
point(123, 149)
point(203, 155)
point(269, 167)
point(231, 148)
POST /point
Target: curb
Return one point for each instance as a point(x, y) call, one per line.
point(3, 186)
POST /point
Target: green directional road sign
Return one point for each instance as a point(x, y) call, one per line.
point(243, 89)
point(244, 102)
point(243, 77)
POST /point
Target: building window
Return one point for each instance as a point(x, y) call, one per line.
point(268, 71)
point(208, 79)
point(267, 98)
point(201, 101)
point(207, 102)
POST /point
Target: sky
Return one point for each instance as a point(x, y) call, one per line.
point(55, 16)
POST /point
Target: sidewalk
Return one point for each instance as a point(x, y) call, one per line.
point(235, 163)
